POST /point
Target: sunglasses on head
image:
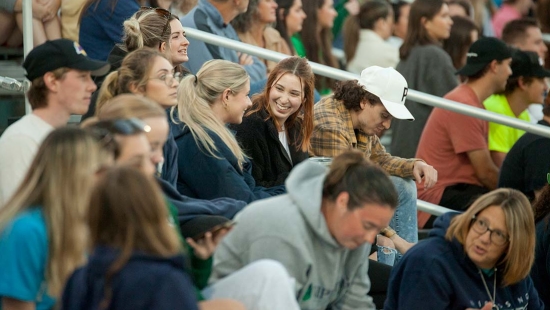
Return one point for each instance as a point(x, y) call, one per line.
point(104, 132)
point(161, 12)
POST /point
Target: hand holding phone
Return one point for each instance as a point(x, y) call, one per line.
point(205, 243)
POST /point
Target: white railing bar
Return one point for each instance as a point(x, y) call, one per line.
point(546, 37)
point(28, 43)
point(431, 208)
point(344, 75)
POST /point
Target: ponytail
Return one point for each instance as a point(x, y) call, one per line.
point(364, 182)
point(108, 90)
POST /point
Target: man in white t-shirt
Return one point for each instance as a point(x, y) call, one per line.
point(61, 85)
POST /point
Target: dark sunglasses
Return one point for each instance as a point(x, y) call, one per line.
point(129, 126)
point(104, 132)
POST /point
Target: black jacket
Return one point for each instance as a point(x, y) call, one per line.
point(259, 139)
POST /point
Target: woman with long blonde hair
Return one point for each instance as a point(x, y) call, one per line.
point(211, 164)
point(42, 231)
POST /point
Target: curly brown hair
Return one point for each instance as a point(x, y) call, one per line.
point(352, 94)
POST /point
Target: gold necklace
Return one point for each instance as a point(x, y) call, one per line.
point(494, 296)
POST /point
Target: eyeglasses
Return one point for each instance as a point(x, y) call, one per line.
point(168, 79)
point(496, 236)
point(161, 12)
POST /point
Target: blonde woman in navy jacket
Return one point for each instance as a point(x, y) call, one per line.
point(275, 133)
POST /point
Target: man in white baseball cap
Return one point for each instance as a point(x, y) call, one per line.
point(390, 87)
point(354, 116)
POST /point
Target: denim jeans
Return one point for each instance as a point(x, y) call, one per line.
point(404, 220)
point(386, 255)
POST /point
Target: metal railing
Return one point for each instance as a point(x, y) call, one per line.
point(344, 75)
point(28, 43)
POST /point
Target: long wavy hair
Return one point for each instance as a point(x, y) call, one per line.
point(197, 94)
point(300, 68)
point(59, 182)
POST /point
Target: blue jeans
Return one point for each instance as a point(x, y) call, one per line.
point(386, 255)
point(404, 220)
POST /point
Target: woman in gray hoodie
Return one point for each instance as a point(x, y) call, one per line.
point(321, 231)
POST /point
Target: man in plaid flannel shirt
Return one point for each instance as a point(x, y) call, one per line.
point(352, 117)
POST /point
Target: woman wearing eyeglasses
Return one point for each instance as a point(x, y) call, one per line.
point(479, 259)
point(151, 29)
point(42, 231)
point(148, 73)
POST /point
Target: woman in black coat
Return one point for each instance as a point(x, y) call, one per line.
point(276, 132)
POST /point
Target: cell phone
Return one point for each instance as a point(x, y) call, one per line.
point(214, 230)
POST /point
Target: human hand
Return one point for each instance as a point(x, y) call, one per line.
point(205, 247)
point(245, 59)
point(45, 10)
point(352, 6)
point(421, 170)
point(488, 306)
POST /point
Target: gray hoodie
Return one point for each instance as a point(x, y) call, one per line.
point(291, 229)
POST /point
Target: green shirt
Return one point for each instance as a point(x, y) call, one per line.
point(200, 269)
point(502, 137)
point(296, 40)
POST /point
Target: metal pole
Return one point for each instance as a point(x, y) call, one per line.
point(431, 208)
point(344, 75)
point(28, 43)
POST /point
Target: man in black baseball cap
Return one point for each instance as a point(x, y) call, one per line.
point(61, 85)
point(526, 85)
point(61, 53)
point(456, 144)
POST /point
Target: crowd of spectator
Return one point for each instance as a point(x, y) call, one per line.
point(205, 178)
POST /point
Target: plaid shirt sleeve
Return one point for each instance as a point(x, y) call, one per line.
point(329, 138)
point(393, 165)
point(333, 134)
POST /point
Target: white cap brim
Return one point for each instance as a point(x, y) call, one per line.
point(397, 110)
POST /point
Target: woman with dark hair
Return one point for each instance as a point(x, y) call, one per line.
point(275, 133)
point(318, 45)
point(464, 32)
point(425, 66)
point(290, 18)
point(365, 36)
point(477, 259)
point(254, 27)
point(321, 231)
